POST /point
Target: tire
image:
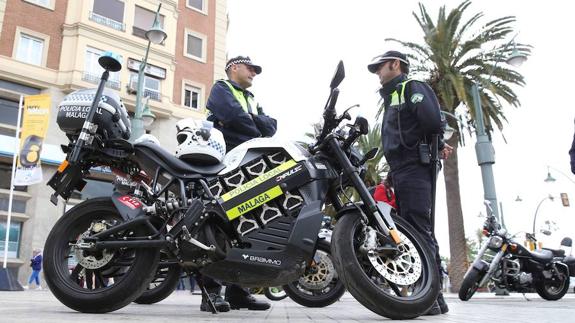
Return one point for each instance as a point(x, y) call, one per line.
point(369, 287)
point(324, 293)
point(131, 270)
point(275, 293)
point(162, 286)
point(470, 284)
point(555, 288)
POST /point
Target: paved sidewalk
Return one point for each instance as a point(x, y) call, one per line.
point(41, 307)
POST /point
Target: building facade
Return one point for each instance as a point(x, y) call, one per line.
point(52, 47)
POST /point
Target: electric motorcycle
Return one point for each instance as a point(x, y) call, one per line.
point(511, 266)
point(252, 219)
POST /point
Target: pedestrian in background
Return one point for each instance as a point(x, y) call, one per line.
point(36, 264)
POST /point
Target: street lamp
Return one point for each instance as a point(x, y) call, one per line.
point(550, 197)
point(155, 35)
point(551, 179)
point(484, 147)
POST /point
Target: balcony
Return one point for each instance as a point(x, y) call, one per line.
point(93, 78)
point(107, 21)
point(154, 95)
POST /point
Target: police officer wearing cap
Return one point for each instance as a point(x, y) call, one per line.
point(233, 109)
point(236, 114)
point(411, 117)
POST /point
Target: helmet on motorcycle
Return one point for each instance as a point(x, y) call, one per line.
point(199, 143)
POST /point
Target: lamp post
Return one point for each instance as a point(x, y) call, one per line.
point(550, 197)
point(155, 35)
point(484, 147)
point(551, 179)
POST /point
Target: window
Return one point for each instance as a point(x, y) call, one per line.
point(6, 177)
point(13, 239)
point(109, 13)
point(195, 46)
point(30, 49)
point(18, 206)
point(192, 96)
point(199, 5)
point(144, 20)
point(8, 112)
point(42, 3)
point(93, 71)
point(151, 86)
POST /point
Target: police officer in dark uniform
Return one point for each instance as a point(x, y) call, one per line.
point(411, 117)
point(234, 111)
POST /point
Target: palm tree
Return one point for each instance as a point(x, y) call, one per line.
point(375, 167)
point(452, 59)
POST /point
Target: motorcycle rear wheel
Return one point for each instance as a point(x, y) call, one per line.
point(327, 292)
point(554, 289)
point(367, 284)
point(116, 276)
point(470, 284)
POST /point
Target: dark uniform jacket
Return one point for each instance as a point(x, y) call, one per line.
point(572, 155)
point(229, 117)
point(418, 118)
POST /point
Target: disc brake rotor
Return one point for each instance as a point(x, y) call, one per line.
point(403, 270)
point(92, 261)
point(320, 274)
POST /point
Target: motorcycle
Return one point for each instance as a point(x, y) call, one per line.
point(252, 220)
point(513, 267)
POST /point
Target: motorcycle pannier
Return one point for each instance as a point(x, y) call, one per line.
point(111, 116)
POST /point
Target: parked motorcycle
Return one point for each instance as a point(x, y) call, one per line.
point(252, 220)
point(513, 267)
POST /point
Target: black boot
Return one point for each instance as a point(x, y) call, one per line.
point(240, 298)
point(220, 304)
point(434, 309)
point(442, 304)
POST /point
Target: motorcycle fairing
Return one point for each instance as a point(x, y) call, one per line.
point(128, 206)
point(254, 267)
point(264, 188)
point(235, 157)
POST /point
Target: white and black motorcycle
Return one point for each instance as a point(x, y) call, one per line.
point(252, 220)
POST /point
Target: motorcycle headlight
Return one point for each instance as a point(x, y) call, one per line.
point(495, 242)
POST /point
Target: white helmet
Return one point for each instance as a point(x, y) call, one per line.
point(199, 142)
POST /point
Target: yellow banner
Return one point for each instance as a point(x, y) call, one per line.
point(35, 120)
point(254, 202)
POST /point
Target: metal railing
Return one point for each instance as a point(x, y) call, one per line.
point(93, 78)
point(154, 95)
point(107, 21)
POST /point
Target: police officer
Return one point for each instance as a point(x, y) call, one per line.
point(235, 113)
point(411, 117)
point(233, 109)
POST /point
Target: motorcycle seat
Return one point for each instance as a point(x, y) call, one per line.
point(176, 164)
point(569, 260)
point(542, 256)
point(556, 252)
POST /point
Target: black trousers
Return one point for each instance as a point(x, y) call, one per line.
point(412, 185)
point(215, 287)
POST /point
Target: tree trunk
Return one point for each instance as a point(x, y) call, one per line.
point(457, 244)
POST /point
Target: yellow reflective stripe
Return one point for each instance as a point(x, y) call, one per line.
point(258, 180)
point(397, 99)
point(239, 95)
point(254, 202)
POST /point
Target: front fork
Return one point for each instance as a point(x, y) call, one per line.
point(382, 220)
point(493, 265)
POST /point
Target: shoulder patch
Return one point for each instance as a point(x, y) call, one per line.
point(416, 98)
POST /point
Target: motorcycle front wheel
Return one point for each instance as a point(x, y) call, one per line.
point(470, 284)
point(98, 281)
point(403, 287)
point(320, 286)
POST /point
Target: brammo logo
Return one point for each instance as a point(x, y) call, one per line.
point(263, 260)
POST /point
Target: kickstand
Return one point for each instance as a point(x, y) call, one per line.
point(205, 294)
point(527, 299)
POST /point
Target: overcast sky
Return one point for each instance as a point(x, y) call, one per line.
point(299, 42)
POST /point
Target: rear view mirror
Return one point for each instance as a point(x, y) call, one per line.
point(362, 124)
point(110, 61)
point(338, 76)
